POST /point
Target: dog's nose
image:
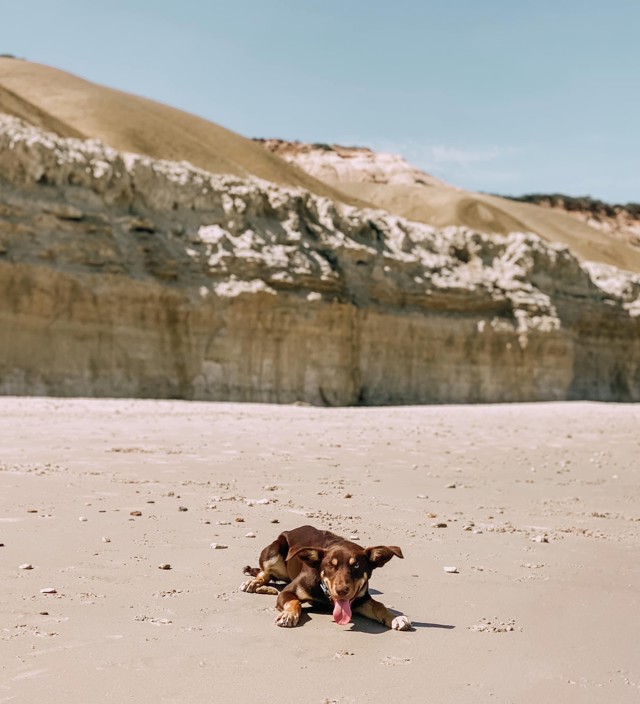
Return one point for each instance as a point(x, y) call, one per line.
point(342, 591)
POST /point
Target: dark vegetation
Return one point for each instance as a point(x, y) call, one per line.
point(596, 207)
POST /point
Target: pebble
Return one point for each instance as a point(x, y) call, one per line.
point(348, 496)
point(270, 487)
point(438, 525)
point(422, 496)
point(218, 546)
point(451, 569)
point(275, 520)
point(106, 540)
point(541, 539)
point(26, 566)
point(239, 519)
point(48, 590)
point(182, 508)
point(453, 485)
point(32, 510)
point(164, 566)
point(354, 537)
point(250, 535)
point(223, 523)
point(136, 513)
point(83, 518)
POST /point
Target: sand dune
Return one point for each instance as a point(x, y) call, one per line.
point(445, 206)
point(73, 107)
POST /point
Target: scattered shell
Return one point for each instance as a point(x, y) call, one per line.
point(218, 546)
point(250, 535)
point(136, 513)
point(451, 569)
point(164, 566)
point(48, 590)
point(26, 566)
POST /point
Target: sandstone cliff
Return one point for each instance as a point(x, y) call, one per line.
point(121, 275)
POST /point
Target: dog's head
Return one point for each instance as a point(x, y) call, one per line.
point(345, 570)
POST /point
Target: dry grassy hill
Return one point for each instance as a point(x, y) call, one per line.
point(73, 107)
point(426, 200)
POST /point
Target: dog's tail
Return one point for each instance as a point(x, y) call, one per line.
point(252, 571)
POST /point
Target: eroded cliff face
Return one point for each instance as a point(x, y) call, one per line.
point(125, 276)
point(336, 164)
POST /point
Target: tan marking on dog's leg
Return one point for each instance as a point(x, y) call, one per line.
point(377, 611)
point(254, 585)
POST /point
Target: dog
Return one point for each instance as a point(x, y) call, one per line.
point(324, 569)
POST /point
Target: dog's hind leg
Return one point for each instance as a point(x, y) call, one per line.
point(272, 566)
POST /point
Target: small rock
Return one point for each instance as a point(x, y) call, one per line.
point(223, 523)
point(218, 546)
point(164, 566)
point(136, 513)
point(438, 525)
point(250, 535)
point(541, 539)
point(451, 569)
point(453, 485)
point(32, 510)
point(239, 519)
point(354, 537)
point(26, 566)
point(182, 508)
point(106, 540)
point(48, 590)
point(43, 613)
point(348, 496)
point(275, 520)
point(270, 487)
point(422, 496)
point(83, 518)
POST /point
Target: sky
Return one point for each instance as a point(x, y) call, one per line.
point(501, 96)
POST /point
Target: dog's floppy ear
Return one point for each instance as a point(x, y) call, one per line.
point(310, 556)
point(381, 554)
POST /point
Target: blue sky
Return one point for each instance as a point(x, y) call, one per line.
point(503, 96)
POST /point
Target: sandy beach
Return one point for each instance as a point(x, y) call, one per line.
point(540, 513)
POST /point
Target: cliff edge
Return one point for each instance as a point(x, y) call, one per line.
point(121, 275)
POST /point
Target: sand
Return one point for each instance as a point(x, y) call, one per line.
point(522, 620)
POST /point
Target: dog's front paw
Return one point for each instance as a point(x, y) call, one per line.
point(287, 619)
point(401, 623)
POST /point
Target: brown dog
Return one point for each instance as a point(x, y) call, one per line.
point(326, 569)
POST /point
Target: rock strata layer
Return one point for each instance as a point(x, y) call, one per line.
point(121, 275)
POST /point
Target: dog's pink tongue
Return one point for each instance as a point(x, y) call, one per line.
point(342, 612)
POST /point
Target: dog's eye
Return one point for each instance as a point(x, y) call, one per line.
point(356, 566)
